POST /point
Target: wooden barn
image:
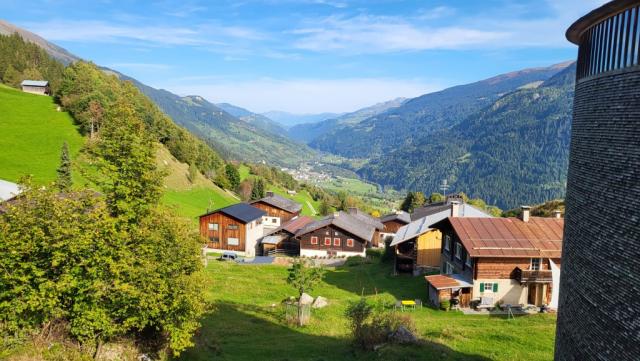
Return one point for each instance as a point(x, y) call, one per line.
point(340, 234)
point(234, 228)
point(40, 87)
point(278, 210)
point(417, 245)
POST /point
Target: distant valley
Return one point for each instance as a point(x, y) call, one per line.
point(503, 139)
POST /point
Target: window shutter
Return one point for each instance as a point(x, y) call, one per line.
point(481, 287)
point(495, 287)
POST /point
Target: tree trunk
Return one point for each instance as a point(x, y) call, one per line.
point(98, 348)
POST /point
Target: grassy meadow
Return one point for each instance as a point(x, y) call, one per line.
point(246, 321)
point(32, 132)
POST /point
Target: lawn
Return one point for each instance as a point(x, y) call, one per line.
point(350, 185)
point(246, 321)
point(194, 202)
point(303, 197)
point(32, 132)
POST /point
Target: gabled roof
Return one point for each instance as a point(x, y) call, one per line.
point(509, 237)
point(344, 221)
point(292, 226)
point(465, 210)
point(8, 190)
point(366, 218)
point(400, 216)
point(34, 83)
point(425, 224)
point(243, 212)
point(281, 202)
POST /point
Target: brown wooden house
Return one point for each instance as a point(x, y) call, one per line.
point(374, 222)
point(278, 210)
point(506, 260)
point(392, 222)
point(234, 228)
point(340, 234)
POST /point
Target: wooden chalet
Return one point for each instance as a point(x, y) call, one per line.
point(392, 222)
point(504, 260)
point(340, 234)
point(282, 240)
point(374, 222)
point(417, 245)
point(234, 228)
point(278, 210)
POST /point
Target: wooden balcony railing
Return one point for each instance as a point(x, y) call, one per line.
point(530, 276)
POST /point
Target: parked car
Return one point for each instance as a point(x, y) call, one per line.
point(228, 256)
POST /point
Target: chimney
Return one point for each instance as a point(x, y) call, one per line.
point(353, 210)
point(526, 212)
point(269, 194)
point(455, 209)
point(336, 214)
point(557, 214)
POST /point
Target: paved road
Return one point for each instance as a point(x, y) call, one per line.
point(256, 260)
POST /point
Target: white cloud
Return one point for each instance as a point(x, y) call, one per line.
point(502, 27)
point(372, 34)
point(104, 32)
point(305, 95)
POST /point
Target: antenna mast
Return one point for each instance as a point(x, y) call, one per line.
point(443, 187)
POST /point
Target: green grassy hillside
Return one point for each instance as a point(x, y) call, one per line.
point(189, 198)
point(31, 135)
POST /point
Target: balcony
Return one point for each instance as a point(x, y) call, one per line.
point(530, 276)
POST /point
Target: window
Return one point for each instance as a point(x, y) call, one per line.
point(233, 241)
point(458, 250)
point(336, 233)
point(213, 226)
point(326, 233)
point(214, 239)
point(350, 242)
point(259, 221)
point(327, 241)
point(468, 262)
point(448, 268)
point(314, 240)
point(535, 264)
point(274, 220)
point(447, 242)
point(336, 241)
point(489, 287)
point(232, 226)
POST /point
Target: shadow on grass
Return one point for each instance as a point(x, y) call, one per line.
point(369, 279)
point(240, 332)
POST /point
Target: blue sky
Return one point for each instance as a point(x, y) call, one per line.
point(306, 56)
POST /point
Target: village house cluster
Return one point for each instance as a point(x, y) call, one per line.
point(466, 256)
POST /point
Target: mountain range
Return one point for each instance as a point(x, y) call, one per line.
point(503, 139)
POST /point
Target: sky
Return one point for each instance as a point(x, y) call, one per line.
point(306, 56)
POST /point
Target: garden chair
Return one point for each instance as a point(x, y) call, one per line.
point(397, 305)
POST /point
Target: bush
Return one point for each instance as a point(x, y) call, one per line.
point(387, 256)
point(354, 261)
point(372, 326)
point(375, 253)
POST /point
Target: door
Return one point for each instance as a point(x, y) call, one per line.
point(532, 294)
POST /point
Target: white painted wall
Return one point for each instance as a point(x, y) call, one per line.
point(509, 291)
point(255, 231)
point(269, 224)
point(323, 253)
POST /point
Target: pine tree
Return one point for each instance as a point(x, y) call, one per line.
point(258, 189)
point(63, 181)
point(407, 204)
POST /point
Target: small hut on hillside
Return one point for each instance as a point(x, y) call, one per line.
point(40, 87)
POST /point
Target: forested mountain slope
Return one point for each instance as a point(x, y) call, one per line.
point(512, 152)
point(307, 132)
point(418, 117)
point(232, 137)
point(257, 120)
